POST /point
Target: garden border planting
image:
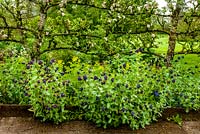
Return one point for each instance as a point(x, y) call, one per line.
point(18, 119)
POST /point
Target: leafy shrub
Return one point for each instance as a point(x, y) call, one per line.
point(122, 91)
point(12, 81)
point(126, 96)
point(184, 86)
point(51, 92)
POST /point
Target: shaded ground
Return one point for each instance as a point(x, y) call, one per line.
point(13, 121)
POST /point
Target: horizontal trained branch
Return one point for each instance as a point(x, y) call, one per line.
point(10, 40)
point(20, 28)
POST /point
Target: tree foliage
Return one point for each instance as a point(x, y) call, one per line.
point(103, 28)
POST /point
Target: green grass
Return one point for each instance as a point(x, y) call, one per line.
point(189, 60)
point(163, 45)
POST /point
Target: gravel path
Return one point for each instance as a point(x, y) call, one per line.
point(28, 125)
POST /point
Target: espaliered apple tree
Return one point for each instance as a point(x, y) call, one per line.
point(103, 28)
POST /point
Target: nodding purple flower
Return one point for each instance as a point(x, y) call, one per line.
point(112, 80)
point(95, 78)
point(52, 61)
point(156, 93)
point(138, 86)
point(54, 106)
point(132, 113)
point(31, 62)
point(123, 110)
point(105, 77)
point(124, 65)
point(62, 95)
point(28, 67)
point(85, 77)
point(48, 108)
point(79, 78)
point(26, 94)
point(139, 50)
point(40, 62)
point(44, 80)
point(173, 81)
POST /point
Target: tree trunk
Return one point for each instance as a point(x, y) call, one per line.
point(173, 35)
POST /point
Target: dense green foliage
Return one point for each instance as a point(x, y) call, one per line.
point(125, 90)
point(102, 61)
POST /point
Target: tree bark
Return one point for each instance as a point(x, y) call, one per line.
point(173, 35)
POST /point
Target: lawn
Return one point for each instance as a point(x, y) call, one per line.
point(189, 60)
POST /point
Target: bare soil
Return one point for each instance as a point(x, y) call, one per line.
point(15, 119)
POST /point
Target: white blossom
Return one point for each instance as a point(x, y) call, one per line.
point(4, 36)
point(106, 38)
point(104, 4)
point(131, 9)
point(147, 6)
point(153, 35)
point(63, 14)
